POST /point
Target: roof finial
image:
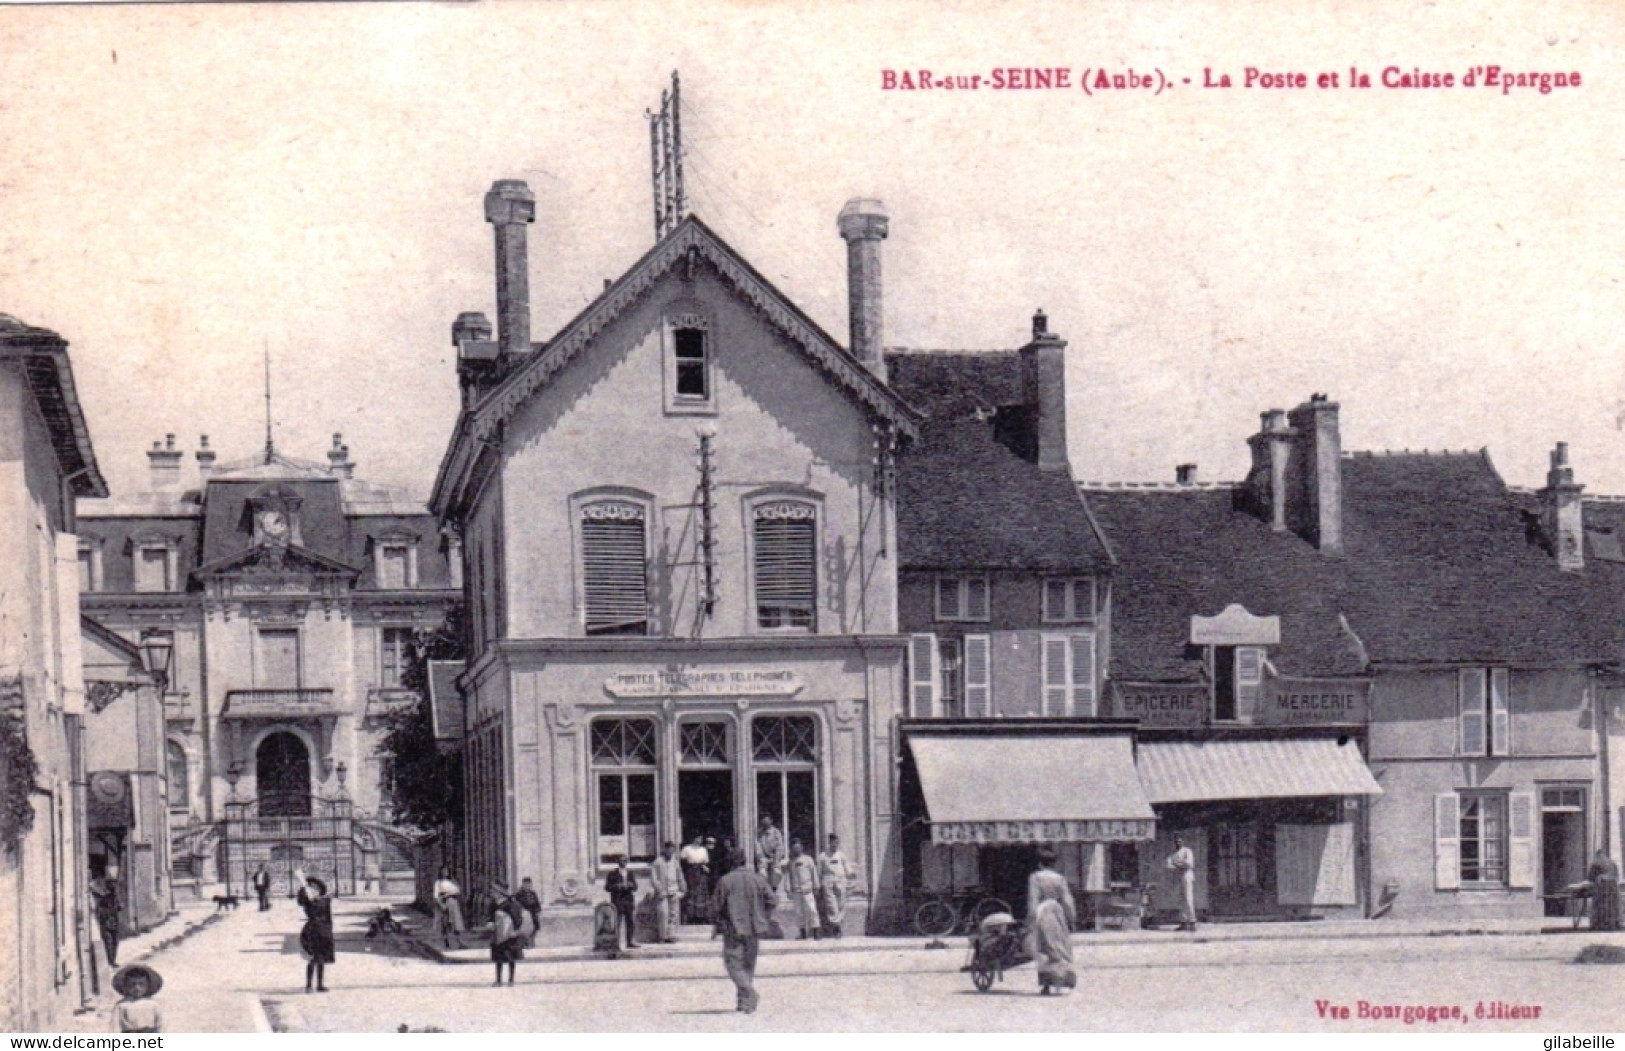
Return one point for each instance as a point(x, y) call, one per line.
point(270, 450)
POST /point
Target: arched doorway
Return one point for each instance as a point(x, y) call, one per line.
point(282, 776)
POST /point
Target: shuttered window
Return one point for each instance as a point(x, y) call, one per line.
point(923, 676)
point(785, 548)
point(1068, 670)
point(962, 598)
point(1472, 698)
point(978, 676)
point(614, 579)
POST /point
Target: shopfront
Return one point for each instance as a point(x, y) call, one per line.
point(1275, 823)
point(979, 799)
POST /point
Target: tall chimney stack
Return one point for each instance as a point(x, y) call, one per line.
point(508, 207)
point(205, 457)
point(1563, 513)
point(1043, 382)
point(1272, 452)
point(338, 458)
point(165, 461)
point(864, 224)
point(1315, 475)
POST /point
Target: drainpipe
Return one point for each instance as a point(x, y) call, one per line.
point(1599, 717)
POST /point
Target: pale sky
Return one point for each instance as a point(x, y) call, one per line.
point(182, 185)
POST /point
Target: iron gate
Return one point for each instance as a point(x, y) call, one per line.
point(319, 842)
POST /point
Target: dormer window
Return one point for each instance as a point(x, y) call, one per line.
point(687, 351)
point(1068, 601)
point(1238, 682)
point(395, 561)
point(155, 563)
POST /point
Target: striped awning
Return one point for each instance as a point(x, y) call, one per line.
point(1031, 789)
point(1195, 771)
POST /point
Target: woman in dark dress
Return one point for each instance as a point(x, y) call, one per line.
point(316, 938)
point(507, 937)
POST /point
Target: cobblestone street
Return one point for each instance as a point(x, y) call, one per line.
point(1240, 977)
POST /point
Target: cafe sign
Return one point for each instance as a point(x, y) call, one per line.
point(1314, 702)
point(1160, 704)
point(1077, 831)
point(705, 682)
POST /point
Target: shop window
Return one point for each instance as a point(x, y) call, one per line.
point(1238, 682)
point(177, 773)
point(394, 648)
point(1235, 857)
point(614, 564)
point(784, 561)
point(623, 757)
point(962, 598)
point(785, 751)
point(1484, 712)
point(1068, 675)
point(1067, 601)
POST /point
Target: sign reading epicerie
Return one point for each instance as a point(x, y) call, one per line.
point(1161, 704)
point(1305, 702)
point(704, 682)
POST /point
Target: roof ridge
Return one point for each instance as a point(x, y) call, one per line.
point(1373, 453)
point(1172, 487)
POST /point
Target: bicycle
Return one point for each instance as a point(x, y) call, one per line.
point(943, 913)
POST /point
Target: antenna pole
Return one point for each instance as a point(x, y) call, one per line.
point(676, 158)
point(654, 171)
point(270, 450)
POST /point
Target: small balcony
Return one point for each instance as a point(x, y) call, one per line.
point(383, 702)
point(290, 703)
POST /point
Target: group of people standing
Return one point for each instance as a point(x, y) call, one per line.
point(817, 886)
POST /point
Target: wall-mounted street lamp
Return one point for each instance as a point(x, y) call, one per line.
point(157, 650)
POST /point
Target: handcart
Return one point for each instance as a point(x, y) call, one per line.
point(999, 944)
point(1572, 902)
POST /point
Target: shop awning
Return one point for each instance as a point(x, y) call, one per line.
point(1195, 771)
point(1031, 789)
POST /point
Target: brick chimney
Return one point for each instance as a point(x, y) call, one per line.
point(205, 457)
point(476, 355)
point(1561, 512)
point(1314, 475)
point(864, 224)
point(509, 206)
point(1043, 388)
point(165, 461)
point(1185, 474)
point(338, 458)
point(1266, 483)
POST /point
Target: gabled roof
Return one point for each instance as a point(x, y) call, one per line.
point(44, 357)
point(966, 500)
point(690, 240)
point(1439, 567)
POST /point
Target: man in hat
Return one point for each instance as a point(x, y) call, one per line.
point(834, 876)
point(1183, 864)
point(623, 894)
point(104, 898)
point(507, 930)
point(770, 857)
point(527, 897)
point(262, 886)
point(744, 904)
point(137, 1013)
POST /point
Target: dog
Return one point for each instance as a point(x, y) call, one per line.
point(222, 902)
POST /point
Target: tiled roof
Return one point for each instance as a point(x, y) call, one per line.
point(1440, 565)
point(966, 500)
point(43, 356)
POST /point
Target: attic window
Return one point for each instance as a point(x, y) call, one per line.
point(395, 562)
point(688, 363)
point(1067, 601)
point(1238, 682)
point(156, 565)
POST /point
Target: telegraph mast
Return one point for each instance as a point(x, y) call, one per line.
point(666, 159)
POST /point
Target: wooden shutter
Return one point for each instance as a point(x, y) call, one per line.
point(1500, 712)
point(1446, 841)
point(1055, 604)
point(614, 562)
point(948, 598)
point(1521, 840)
point(978, 676)
point(976, 598)
point(1249, 681)
point(784, 547)
point(1083, 675)
point(1472, 687)
point(923, 676)
point(1057, 676)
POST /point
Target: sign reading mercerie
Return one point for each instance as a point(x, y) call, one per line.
point(1305, 702)
point(705, 682)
